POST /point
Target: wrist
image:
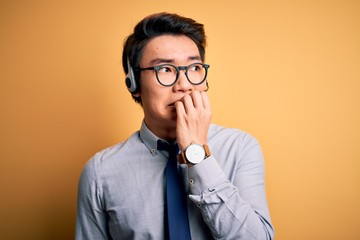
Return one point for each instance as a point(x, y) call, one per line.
point(194, 154)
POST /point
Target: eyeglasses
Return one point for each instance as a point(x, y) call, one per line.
point(168, 74)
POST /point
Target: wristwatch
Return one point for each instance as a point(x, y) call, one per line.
point(194, 154)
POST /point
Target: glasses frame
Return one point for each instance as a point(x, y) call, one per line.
point(178, 69)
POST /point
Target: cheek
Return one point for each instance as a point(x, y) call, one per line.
point(201, 87)
point(154, 99)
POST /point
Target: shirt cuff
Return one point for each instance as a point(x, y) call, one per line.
point(205, 176)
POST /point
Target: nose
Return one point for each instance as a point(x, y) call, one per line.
point(183, 84)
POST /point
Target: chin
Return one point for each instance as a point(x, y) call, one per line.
point(170, 118)
point(173, 116)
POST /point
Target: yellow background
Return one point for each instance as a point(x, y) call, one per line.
point(288, 72)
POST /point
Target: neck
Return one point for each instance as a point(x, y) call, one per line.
point(164, 132)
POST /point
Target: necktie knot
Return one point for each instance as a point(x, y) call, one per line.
point(173, 149)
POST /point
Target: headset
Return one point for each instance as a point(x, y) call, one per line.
point(130, 80)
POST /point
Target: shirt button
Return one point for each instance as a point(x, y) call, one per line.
point(192, 181)
point(153, 152)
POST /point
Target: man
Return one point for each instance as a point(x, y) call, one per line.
point(127, 191)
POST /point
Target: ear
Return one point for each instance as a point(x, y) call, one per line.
point(137, 94)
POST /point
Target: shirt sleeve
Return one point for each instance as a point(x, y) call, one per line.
point(233, 207)
point(91, 220)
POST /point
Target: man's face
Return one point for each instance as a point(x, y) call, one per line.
point(157, 100)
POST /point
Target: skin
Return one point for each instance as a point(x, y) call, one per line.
point(180, 112)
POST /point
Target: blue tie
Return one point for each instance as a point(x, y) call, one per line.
point(176, 208)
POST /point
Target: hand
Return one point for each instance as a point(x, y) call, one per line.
point(193, 119)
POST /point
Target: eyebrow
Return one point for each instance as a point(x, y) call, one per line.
point(165, 60)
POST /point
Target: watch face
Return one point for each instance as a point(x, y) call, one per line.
point(195, 153)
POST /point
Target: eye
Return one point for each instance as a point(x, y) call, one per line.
point(195, 67)
point(165, 69)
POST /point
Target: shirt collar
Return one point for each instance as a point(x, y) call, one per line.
point(150, 140)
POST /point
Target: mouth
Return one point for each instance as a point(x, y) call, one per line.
point(172, 104)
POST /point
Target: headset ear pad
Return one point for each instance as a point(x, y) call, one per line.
point(130, 79)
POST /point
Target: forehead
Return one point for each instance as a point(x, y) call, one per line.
point(170, 48)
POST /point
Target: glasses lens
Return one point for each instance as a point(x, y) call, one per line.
point(166, 74)
point(196, 73)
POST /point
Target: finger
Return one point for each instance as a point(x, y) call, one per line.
point(197, 99)
point(188, 103)
point(205, 100)
point(180, 109)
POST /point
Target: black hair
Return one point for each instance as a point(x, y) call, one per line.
point(156, 25)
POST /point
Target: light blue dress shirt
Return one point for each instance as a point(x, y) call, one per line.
point(121, 192)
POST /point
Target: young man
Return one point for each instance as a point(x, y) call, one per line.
point(138, 189)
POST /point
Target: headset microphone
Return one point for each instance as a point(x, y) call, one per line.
point(130, 79)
